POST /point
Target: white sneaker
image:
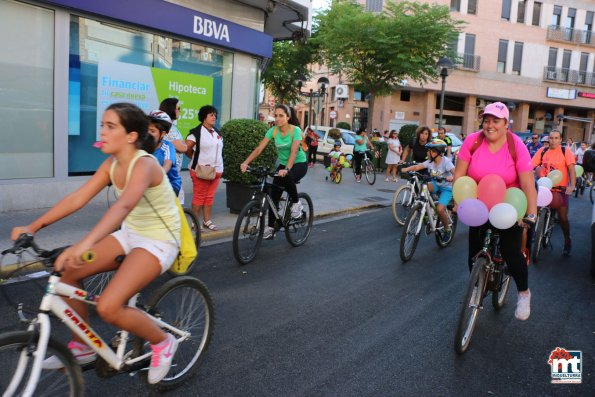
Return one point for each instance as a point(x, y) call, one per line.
point(268, 233)
point(296, 210)
point(81, 352)
point(163, 355)
point(523, 306)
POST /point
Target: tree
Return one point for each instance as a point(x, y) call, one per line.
point(377, 51)
point(288, 65)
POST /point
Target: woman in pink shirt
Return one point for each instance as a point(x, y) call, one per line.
point(489, 151)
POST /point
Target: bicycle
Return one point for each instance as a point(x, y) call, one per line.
point(543, 232)
point(424, 211)
point(489, 273)
point(367, 167)
point(182, 306)
point(335, 175)
point(405, 196)
point(581, 185)
point(249, 227)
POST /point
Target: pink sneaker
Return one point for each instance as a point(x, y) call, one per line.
point(163, 354)
point(81, 352)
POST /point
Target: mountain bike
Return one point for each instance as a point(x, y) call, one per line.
point(182, 306)
point(367, 168)
point(424, 212)
point(405, 195)
point(249, 228)
point(542, 237)
point(489, 273)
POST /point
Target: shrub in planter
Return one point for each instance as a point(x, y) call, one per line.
point(344, 125)
point(240, 137)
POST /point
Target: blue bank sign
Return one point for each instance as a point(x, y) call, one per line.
point(161, 15)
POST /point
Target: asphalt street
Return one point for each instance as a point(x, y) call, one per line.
point(342, 316)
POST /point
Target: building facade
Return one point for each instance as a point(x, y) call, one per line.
point(67, 60)
point(538, 57)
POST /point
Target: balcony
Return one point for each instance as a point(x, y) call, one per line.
point(569, 76)
point(569, 35)
point(468, 62)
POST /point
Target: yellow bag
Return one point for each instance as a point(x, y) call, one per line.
point(188, 249)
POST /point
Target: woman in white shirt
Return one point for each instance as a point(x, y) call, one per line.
point(205, 147)
point(393, 156)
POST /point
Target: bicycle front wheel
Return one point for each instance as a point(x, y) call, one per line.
point(538, 235)
point(247, 234)
point(471, 305)
point(185, 303)
point(499, 297)
point(16, 356)
point(402, 201)
point(370, 172)
point(338, 177)
point(410, 234)
point(298, 230)
point(592, 194)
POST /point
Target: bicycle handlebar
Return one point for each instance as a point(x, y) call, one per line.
point(261, 171)
point(426, 178)
point(25, 241)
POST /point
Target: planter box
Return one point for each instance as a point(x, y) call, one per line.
point(238, 194)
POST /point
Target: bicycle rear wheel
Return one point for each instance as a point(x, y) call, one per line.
point(247, 234)
point(499, 296)
point(402, 201)
point(370, 171)
point(185, 303)
point(538, 235)
point(471, 305)
point(298, 230)
point(410, 235)
point(17, 348)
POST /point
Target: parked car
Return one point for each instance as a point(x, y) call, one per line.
point(456, 142)
point(326, 143)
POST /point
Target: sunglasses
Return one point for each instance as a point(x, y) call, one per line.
point(535, 137)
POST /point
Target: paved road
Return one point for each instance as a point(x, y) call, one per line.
point(342, 316)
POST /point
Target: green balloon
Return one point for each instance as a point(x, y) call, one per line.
point(515, 197)
point(579, 170)
point(465, 187)
point(329, 168)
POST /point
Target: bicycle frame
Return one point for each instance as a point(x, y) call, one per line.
point(266, 200)
point(428, 206)
point(52, 302)
point(415, 187)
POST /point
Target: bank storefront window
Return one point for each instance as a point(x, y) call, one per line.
point(115, 64)
point(26, 91)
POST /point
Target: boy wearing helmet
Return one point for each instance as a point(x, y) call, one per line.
point(165, 152)
point(438, 165)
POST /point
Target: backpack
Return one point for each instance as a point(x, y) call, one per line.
point(589, 161)
point(509, 141)
point(546, 149)
point(304, 145)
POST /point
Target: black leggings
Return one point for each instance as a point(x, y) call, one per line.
point(312, 154)
point(297, 172)
point(358, 158)
point(510, 247)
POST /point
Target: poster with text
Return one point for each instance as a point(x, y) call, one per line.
point(146, 87)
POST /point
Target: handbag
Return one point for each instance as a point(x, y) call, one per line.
point(207, 172)
point(188, 251)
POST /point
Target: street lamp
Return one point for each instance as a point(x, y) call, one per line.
point(445, 65)
point(322, 83)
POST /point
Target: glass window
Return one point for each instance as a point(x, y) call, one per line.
point(455, 5)
point(520, 17)
point(348, 139)
point(405, 96)
point(472, 7)
point(536, 14)
point(518, 58)
point(557, 16)
point(374, 5)
point(502, 52)
point(553, 57)
point(26, 91)
point(104, 56)
point(505, 10)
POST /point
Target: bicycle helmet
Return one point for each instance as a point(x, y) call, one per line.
point(438, 144)
point(162, 118)
point(337, 143)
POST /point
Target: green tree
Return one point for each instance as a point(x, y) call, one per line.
point(377, 51)
point(289, 63)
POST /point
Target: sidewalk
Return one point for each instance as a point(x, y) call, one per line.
point(329, 199)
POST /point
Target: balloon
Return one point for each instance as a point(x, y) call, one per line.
point(349, 157)
point(329, 168)
point(544, 196)
point(347, 165)
point(503, 216)
point(491, 190)
point(556, 177)
point(545, 182)
point(472, 212)
point(515, 197)
point(465, 187)
point(557, 200)
point(579, 170)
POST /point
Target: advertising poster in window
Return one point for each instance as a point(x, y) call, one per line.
point(146, 87)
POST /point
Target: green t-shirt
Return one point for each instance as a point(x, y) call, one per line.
point(283, 144)
point(363, 147)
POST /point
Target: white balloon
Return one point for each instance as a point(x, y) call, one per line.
point(502, 216)
point(545, 182)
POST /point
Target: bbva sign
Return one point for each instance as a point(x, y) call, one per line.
point(208, 28)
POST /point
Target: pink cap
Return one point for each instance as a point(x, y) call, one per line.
point(496, 109)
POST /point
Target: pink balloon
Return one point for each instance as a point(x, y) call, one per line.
point(491, 190)
point(472, 212)
point(544, 196)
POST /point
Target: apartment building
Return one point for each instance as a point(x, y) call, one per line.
point(538, 57)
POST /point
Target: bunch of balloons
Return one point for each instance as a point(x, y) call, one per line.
point(488, 200)
point(545, 184)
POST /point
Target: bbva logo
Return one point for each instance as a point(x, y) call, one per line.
point(206, 27)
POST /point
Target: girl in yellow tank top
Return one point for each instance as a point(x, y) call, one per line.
point(146, 210)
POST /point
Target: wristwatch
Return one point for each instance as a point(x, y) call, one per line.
point(531, 217)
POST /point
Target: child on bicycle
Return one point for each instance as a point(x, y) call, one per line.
point(164, 151)
point(335, 156)
point(150, 230)
point(438, 165)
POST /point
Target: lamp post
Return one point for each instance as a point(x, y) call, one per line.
point(322, 83)
point(445, 65)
